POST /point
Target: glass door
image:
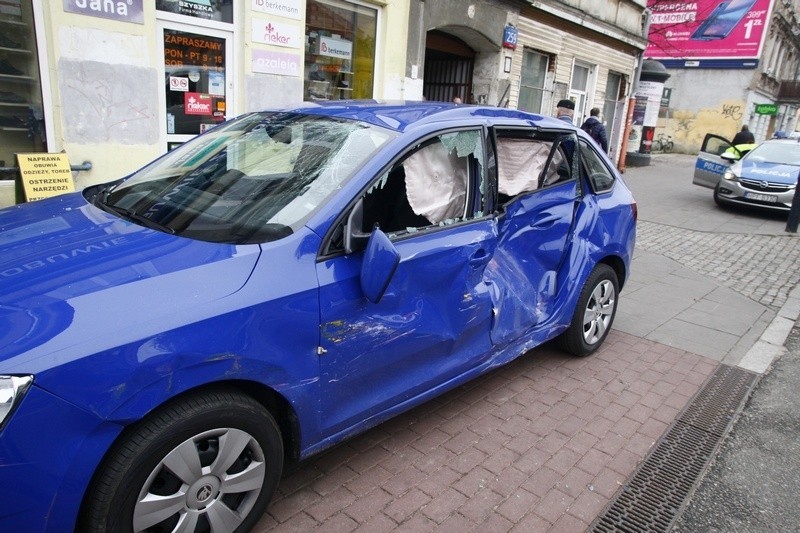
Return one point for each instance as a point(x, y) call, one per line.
point(579, 90)
point(197, 92)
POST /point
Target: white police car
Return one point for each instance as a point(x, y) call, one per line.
point(765, 177)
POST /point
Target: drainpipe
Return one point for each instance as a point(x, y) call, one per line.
point(623, 150)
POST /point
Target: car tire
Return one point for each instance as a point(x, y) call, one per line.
point(594, 314)
point(212, 459)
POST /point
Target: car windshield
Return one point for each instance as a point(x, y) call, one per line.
point(781, 153)
point(255, 179)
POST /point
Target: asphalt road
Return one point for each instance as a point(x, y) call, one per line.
point(752, 483)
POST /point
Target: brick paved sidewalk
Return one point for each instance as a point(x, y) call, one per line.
point(540, 444)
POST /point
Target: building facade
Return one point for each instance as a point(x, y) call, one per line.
point(116, 83)
point(583, 50)
point(728, 69)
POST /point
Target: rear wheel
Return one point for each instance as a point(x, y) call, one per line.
point(209, 462)
point(594, 314)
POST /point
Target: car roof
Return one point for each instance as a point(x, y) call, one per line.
point(782, 141)
point(401, 115)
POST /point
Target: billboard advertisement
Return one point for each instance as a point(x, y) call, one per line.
point(707, 33)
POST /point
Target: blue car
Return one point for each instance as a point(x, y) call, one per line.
point(278, 284)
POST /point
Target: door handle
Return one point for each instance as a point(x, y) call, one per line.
point(480, 258)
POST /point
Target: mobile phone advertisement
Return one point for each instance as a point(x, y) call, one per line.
point(707, 29)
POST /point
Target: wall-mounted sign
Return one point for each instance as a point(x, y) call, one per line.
point(45, 175)
point(127, 11)
point(284, 64)
point(221, 10)
point(292, 9)
point(510, 35)
point(276, 33)
point(666, 96)
point(766, 109)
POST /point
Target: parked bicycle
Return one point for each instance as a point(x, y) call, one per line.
point(663, 143)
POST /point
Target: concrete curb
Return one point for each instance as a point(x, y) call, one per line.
point(770, 345)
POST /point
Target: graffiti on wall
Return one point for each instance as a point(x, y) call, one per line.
point(689, 127)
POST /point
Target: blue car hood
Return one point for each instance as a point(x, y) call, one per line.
point(72, 274)
point(772, 172)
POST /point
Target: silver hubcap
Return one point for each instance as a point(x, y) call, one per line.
point(214, 477)
point(598, 312)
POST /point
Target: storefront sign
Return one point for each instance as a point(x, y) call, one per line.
point(766, 109)
point(708, 30)
point(124, 10)
point(198, 104)
point(221, 10)
point(292, 9)
point(333, 47)
point(277, 63)
point(182, 49)
point(276, 33)
point(45, 175)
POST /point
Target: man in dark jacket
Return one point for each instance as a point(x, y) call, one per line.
point(595, 129)
point(565, 109)
point(744, 137)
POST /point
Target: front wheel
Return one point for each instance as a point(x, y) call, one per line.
point(669, 146)
point(717, 198)
point(594, 314)
point(209, 462)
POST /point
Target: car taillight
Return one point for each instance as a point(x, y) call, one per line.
point(635, 209)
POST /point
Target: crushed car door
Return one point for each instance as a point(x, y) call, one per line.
point(709, 166)
point(538, 189)
point(432, 323)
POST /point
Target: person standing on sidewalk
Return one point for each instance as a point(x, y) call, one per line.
point(565, 109)
point(595, 129)
point(745, 136)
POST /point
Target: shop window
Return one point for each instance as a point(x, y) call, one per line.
point(194, 67)
point(340, 50)
point(21, 113)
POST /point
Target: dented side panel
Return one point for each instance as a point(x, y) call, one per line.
point(533, 239)
point(431, 325)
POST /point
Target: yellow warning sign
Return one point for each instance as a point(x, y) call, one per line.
point(45, 175)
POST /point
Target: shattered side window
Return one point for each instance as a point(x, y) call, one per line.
point(528, 161)
point(442, 181)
